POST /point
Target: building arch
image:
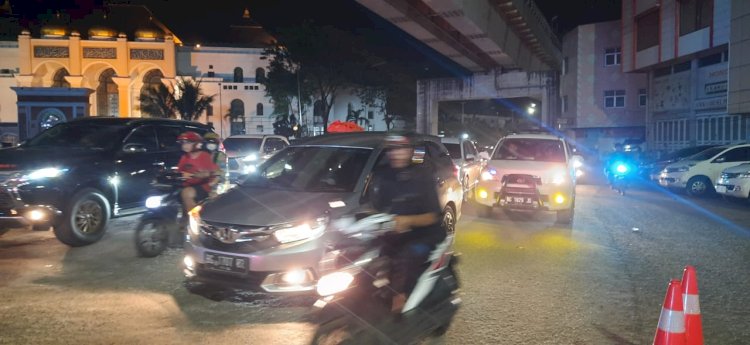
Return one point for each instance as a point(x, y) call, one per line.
point(260, 75)
point(58, 79)
point(107, 94)
point(239, 76)
point(44, 73)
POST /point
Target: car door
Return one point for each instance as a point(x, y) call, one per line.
point(471, 162)
point(447, 182)
point(136, 166)
point(169, 151)
point(728, 159)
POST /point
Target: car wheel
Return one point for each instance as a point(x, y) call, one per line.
point(565, 217)
point(699, 186)
point(152, 237)
point(84, 220)
point(449, 220)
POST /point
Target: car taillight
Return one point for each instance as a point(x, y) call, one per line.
point(456, 170)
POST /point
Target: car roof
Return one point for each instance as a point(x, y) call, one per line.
point(370, 140)
point(134, 121)
point(533, 136)
point(253, 136)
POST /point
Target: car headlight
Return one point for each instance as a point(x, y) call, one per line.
point(194, 220)
point(154, 201)
point(683, 169)
point(559, 178)
point(250, 158)
point(489, 174)
point(334, 283)
point(249, 169)
point(301, 232)
point(44, 173)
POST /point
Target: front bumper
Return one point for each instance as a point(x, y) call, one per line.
point(672, 179)
point(733, 187)
point(491, 193)
point(265, 269)
point(14, 213)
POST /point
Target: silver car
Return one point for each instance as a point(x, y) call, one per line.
point(270, 231)
point(246, 151)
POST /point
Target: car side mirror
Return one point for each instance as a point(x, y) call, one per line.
point(418, 156)
point(484, 155)
point(134, 148)
point(470, 158)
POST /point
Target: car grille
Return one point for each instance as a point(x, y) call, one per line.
point(671, 170)
point(726, 176)
point(236, 239)
point(522, 179)
point(6, 199)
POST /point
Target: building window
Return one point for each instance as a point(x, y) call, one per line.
point(234, 87)
point(709, 60)
point(247, 87)
point(681, 67)
point(614, 98)
point(612, 56)
point(565, 66)
point(211, 74)
point(565, 104)
point(370, 115)
point(210, 110)
point(260, 75)
point(642, 97)
point(259, 109)
point(107, 94)
point(259, 128)
point(238, 75)
point(695, 15)
point(59, 79)
point(647, 27)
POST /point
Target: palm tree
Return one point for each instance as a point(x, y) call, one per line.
point(186, 99)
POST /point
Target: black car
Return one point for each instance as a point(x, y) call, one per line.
point(650, 169)
point(76, 175)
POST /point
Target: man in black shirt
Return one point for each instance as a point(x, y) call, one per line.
point(408, 191)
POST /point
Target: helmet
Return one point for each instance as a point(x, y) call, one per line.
point(190, 136)
point(397, 141)
point(211, 137)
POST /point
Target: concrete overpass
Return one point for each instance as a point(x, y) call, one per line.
point(507, 44)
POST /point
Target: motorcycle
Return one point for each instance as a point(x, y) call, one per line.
point(161, 225)
point(620, 173)
point(355, 293)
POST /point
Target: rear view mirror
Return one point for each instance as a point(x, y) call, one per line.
point(484, 155)
point(134, 148)
point(470, 157)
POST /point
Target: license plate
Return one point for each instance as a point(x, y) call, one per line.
point(721, 189)
point(519, 200)
point(226, 263)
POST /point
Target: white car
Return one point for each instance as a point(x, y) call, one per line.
point(698, 173)
point(246, 151)
point(530, 172)
point(468, 162)
point(735, 182)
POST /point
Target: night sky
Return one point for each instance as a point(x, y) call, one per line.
point(194, 21)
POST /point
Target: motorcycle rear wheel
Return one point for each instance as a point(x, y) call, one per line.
point(344, 331)
point(152, 237)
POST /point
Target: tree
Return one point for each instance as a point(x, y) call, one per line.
point(326, 61)
point(186, 99)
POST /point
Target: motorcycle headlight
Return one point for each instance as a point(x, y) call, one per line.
point(334, 283)
point(250, 158)
point(489, 174)
point(622, 168)
point(194, 220)
point(301, 232)
point(154, 201)
point(43, 173)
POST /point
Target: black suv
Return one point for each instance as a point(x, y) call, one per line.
point(76, 175)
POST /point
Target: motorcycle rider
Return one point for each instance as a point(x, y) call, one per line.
point(407, 191)
point(212, 144)
point(197, 167)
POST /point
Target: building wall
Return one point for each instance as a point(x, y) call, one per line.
point(739, 58)
point(8, 61)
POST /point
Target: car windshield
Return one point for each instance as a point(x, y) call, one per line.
point(454, 150)
point(706, 154)
point(541, 150)
point(243, 144)
point(80, 134)
point(312, 169)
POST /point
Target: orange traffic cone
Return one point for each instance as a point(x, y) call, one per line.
point(693, 326)
point(671, 328)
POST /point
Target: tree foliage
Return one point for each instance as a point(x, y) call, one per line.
point(185, 99)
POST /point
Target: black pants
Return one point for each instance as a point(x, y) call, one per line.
point(408, 260)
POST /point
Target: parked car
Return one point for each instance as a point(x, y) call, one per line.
point(698, 173)
point(468, 162)
point(76, 175)
point(246, 151)
point(530, 172)
point(269, 232)
point(650, 169)
point(735, 182)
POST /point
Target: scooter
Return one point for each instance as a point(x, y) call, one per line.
point(355, 292)
point(160, 226)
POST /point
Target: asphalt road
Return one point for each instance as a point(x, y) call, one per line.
point(525, 281)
